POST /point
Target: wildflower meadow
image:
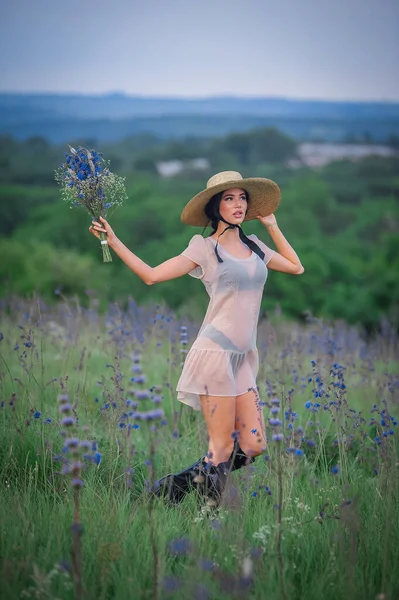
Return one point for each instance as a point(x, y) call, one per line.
point(89, 420)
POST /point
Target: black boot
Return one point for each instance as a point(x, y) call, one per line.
point(215, 478)
point(239, 458)
point(176, 485)
point(216, 475)
point(200, 475)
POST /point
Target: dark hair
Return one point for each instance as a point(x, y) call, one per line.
point(214, 216)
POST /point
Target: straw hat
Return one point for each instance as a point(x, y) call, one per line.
point(264, 197)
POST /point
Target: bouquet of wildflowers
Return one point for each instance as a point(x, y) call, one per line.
point(86, 181)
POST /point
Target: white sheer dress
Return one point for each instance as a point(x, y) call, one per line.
point(223, 360)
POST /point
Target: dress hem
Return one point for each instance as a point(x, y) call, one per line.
point(196, 402)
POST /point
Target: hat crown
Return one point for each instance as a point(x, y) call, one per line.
point(223, 177)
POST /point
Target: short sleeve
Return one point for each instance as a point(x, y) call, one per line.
point(269, 253)
point(197, 251)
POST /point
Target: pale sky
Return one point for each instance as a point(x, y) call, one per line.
point(321, 49)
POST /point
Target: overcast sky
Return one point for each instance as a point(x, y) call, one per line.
point(322, 49)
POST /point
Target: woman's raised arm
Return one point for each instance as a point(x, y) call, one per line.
point(170, 269)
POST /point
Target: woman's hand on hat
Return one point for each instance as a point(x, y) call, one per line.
point(103, 227)
point(268, 221)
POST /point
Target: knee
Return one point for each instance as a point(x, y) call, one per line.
point(253, 448)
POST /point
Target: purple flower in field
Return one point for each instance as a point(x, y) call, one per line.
point(97, 458)
point(68, 421)
point(277, 437)
point(180, 546)
point(170, 584)
point(275, 410)
point(275, 401)
point(65, 408)
point(77, 482)
point(72, 442)
point(275, 422)
point(207, 565)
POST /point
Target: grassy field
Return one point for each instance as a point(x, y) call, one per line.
point(89, 418)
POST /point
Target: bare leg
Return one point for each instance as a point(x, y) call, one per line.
point(219, 415)
point(250, 423)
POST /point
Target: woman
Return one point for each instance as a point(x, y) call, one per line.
point(220, 370)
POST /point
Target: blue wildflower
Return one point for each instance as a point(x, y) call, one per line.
point(36, 414)
point(180, 546)
point(72, 442)
point(207, 565)
point(170, 584)
point(77, 482)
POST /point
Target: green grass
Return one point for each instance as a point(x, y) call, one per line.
point(335, 537)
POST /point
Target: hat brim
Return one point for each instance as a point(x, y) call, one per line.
point(264, 198)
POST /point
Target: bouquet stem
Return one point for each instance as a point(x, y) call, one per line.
point(104, 245)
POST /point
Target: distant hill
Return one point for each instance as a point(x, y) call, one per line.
point(112, 117)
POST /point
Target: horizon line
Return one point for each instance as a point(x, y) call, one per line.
point(225, 96)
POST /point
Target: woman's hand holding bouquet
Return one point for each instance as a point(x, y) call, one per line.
point(97, 228)
point(86, 181)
